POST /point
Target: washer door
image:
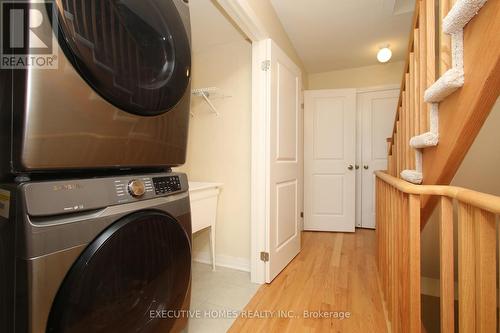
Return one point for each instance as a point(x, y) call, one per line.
point(139, 265)
point(134, 53)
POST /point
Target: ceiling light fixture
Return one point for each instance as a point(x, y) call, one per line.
point(384, 54)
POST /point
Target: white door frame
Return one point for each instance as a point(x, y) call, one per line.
point(249, 23)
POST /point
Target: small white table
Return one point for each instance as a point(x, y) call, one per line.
point(204, 198)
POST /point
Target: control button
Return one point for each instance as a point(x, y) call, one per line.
point(136, 188)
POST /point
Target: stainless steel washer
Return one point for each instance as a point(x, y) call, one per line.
point(95, 255)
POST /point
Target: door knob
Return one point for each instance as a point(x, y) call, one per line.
point(357, 166)
point(350, 167)
point(365, 167)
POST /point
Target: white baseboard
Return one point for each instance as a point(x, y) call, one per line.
point(238, 263)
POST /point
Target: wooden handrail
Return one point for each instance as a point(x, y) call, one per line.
point(398, 209)
point(488, 202)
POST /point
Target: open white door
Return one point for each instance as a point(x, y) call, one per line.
point(377, 111)
point(329, 160)
point(278, 138)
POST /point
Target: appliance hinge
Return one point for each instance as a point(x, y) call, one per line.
point(302, 214)
point(264, 256)
point(265, 65)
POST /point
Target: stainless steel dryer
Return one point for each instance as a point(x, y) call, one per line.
point(95, 255)
point(119, 97)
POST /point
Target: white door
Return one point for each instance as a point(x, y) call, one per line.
point(377, 111)
point(329, 159)
point(283, 131)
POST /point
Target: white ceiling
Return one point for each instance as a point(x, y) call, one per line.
point(209, 27)
point(336, 34)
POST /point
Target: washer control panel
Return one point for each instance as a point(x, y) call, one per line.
point(74, 195)
point(167, 184)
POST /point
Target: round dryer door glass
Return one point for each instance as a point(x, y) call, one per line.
point(140, 266)
point(135, 53)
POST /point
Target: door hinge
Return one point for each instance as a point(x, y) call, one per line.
point(302, 105)
point(302, 214)
point(265, 65)
point(264, 256)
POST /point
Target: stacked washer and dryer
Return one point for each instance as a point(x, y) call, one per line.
point(95, 229)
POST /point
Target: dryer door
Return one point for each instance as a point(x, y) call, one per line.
point(134, 53)
point(126, 278)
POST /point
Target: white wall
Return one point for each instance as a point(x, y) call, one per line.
point(359, 77)
point(219, 147)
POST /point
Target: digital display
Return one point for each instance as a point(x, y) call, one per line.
point(166, 184)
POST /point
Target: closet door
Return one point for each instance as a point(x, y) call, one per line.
point(377, 111)
point(329, 158)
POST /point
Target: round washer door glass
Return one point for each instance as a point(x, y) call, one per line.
point(135, 53)
point(137, 268)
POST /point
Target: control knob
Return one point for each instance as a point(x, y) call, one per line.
point(136, 188)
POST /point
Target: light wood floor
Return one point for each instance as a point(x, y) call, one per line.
point(333, 272)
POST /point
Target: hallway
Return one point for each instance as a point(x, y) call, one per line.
point(335, 275)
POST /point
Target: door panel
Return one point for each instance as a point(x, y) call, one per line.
point(377, 111)
point(285, 160)
point(287, 206)
point(328, 128)
point(329, 145)
point(287, 121)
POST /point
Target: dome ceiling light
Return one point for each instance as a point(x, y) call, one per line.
point(384, 54)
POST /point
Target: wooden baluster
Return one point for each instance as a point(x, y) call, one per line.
point(416, 84)
point(390, 240)
point(399, 148)
point(411, 112)
point(394, 157)
point(447, 280)
point(422, 22)
point(401, 258)
point(388, 250)
point(394, 260)
point(389, 155)
point(414, 263)
point(396, 296)
point(403, 130)
point(389, 163)
point(466, 269)
point(404, 262)
point(444, 39)
point(387, 235)
point(486, 277)
point(430, 39)
point(407, 124)
point(377, 217)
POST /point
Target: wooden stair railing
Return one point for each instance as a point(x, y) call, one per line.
point(398, 211)
point(461, 114)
